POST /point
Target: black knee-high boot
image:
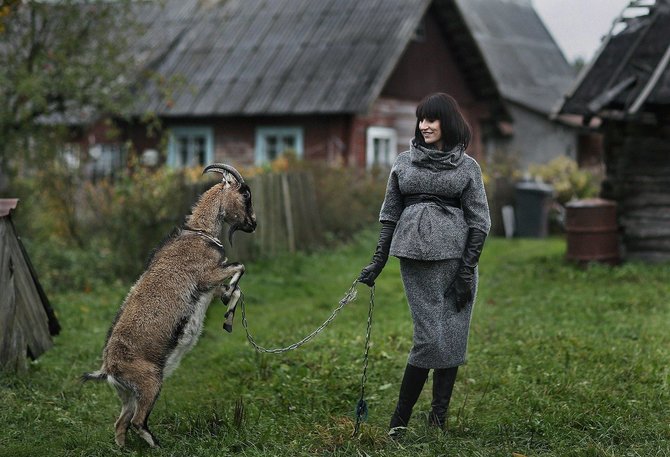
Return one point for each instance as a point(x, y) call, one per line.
point(443, 386)
point(410, 389)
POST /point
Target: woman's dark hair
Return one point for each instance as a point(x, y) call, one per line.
point(443, 107)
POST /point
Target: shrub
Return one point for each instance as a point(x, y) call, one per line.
point(348, 199)
point(568, 180)
point(107, 228)
point(81, 232)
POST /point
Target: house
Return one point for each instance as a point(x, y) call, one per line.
point(529, 70)
point(627, 87)
point(330, 80)
point(339, 80)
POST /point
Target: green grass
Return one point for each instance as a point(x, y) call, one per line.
point(563, 362)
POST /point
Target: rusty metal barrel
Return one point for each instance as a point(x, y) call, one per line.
point(592, 231)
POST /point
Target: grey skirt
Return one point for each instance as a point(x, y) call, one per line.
point(440, 331)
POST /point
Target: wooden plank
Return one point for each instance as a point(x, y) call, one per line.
point(12, 345)
point(30, 313)
point(288, 212)
point(310, 217)
point(313, 209)
point(301, 223)
point(645, 227)
point(279, 227)
point(54, 325)
point(274, 213)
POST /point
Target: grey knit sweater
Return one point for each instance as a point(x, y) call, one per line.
point(426, 231)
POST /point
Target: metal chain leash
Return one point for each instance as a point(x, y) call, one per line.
point(362, 406)
point(349, 296)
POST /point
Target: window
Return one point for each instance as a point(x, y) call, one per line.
point(106, 159)
point(271, 142)
point(381, 147)
point(190, 146)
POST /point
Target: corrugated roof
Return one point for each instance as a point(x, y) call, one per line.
point(527, 64)
point(631, 69)
point(247, 57)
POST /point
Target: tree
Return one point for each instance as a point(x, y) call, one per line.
point(60, 62)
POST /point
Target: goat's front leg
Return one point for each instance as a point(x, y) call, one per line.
point(230, 297)
point(231, 293)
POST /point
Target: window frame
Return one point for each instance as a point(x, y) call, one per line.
point(260, 152)
point(112, 154)
point(190, 131)
point(384, 133)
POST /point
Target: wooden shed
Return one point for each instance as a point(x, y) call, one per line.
point(627, 86)
point(27, 321)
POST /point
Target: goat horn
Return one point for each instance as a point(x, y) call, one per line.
point(221, 168)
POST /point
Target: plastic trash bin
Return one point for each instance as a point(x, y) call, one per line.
point(532, 201)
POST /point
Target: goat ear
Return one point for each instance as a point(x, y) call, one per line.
point(230, 180)
point(226, 180)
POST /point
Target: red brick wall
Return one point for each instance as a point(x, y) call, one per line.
point(324, 137)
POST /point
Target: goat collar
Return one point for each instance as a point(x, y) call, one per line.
point(205, 235)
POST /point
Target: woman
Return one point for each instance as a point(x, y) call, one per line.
point(435, 219)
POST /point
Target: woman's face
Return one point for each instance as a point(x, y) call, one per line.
point(430, 130)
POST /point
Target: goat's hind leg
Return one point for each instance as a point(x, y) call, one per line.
point(128, 405)
point(147, 382)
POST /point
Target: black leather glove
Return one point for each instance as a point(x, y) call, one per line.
point(463, 284)
point(381, 255)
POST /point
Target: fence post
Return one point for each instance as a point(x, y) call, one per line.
point(290, 232)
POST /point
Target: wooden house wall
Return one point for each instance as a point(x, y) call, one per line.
point(637, 161)
point(427, 66)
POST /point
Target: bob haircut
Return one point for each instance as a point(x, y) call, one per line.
point(443, 107)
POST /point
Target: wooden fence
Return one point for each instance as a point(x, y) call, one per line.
point(287, 214)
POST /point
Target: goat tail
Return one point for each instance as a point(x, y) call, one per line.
point(94, 376)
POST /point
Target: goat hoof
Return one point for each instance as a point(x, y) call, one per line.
point(228, 327)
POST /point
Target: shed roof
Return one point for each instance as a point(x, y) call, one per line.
point(247, 57)
point(631, 70)
point(527, 64)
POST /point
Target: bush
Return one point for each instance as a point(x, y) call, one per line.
point(348, 199)
point(79, 229)
point(80, 232)
point(132, 215)
point(568, 180)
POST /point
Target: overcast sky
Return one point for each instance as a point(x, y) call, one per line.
point(578, 25)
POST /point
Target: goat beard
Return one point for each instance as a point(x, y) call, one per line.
point(233, 228)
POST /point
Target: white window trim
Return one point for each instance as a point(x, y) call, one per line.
point(261, 132)
point(207, 132)
point(386, 133)
point(107, 158)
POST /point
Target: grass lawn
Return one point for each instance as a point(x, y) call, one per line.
point(562, 362)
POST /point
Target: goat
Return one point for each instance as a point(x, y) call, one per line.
point(162, 316)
